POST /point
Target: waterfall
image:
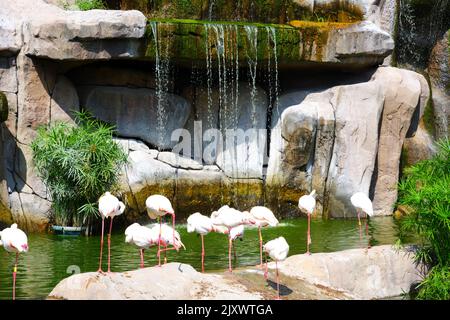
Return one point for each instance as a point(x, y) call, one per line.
point(210, 9)
point(162, 68)
point(273, 83)
point(252, 59)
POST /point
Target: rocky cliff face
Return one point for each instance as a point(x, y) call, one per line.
point(306, 124)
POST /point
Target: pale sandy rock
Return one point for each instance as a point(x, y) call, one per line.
point(8, 75)
point(378, 272)
point(178, 161)
point(64, 101)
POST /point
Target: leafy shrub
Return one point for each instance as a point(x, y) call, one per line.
point(425, 189)
point(436, 286)
point(77, 164)
point(85, 5)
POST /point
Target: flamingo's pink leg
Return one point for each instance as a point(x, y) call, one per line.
point(230, 243)
point(101, 247)
point(203, 254)
point(14, 276)
point(159, 242)
point(260, 247)
point(308, 241)
point(109, 245)
point(142, 258)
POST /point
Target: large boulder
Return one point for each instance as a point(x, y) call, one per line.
point(402, 91)
point(8, 75)
point(378, 272)
point(64, 101)
point(172, 281)
point(136, 112)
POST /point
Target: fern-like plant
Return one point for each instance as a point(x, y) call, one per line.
point(77, 164)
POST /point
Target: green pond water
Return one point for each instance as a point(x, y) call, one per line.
point(52, 258)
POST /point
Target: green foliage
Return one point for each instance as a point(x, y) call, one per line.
point(77, 164)
point(85, 5)
point(437, 285)
point(425, 188)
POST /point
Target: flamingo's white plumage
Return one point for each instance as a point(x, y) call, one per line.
point(278, 250)
point(361, 202)
point(202, 225)
point(230, 218)
point(307, 204)
point(263, 217)
point(158, 206)
point(14, 240)
point(141, 236)
point(108, 207)
point(168, 237)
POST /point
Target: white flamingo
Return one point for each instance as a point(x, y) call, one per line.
point(230, 218)
point(167, 236)
point(307, 204)
point(263, 217)
point(109, 207)
point(202, 225)
point(14, 240)
point(143, 237)
point(236, 233)
point(278, 250)
point(157, 207)
point(361, 202)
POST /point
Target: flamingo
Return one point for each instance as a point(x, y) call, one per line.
point(143, 237)
point(203, 225)
point(108, 206)
point(230, 218)
point(263, 217)
point(157, 207)
point(236, 233)
point(278, 250)
point(307, 204)
point(167, 236)
point(14, 240)
point(361, 202)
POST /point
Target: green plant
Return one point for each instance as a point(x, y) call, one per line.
point(436, 285)
point(84, 5)
point(425, 188)
point(77, 164)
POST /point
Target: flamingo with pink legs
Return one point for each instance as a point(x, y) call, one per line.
point(143, 237)
point(278, 250)
point(362, 203)
point(109, 207)
point(307, 204)
point(202, 225)
point(14, 240)
point(157, 207)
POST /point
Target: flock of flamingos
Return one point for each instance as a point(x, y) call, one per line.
point(226, 220)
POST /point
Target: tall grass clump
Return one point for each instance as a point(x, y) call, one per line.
point(85, 5)
point(77, 164)
point(425, 189)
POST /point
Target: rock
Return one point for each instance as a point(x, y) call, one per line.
point(64, 101)
point(8, 75)
point(362, 43)
point(287, 100)
point(402, 90)
point(33, 96)
point(376, 273)
point(178, 161)
point(357, 110)
point(439, 71)
point(244, 135)
point(4, 110)
point(31, 212)
point(24, 168)
point(139, 107)
point(171, 281)
point(418, 148)
point(10, 33)
point(117, 76)
point(83, 35)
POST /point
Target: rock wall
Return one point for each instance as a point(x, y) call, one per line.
point(338, 138)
